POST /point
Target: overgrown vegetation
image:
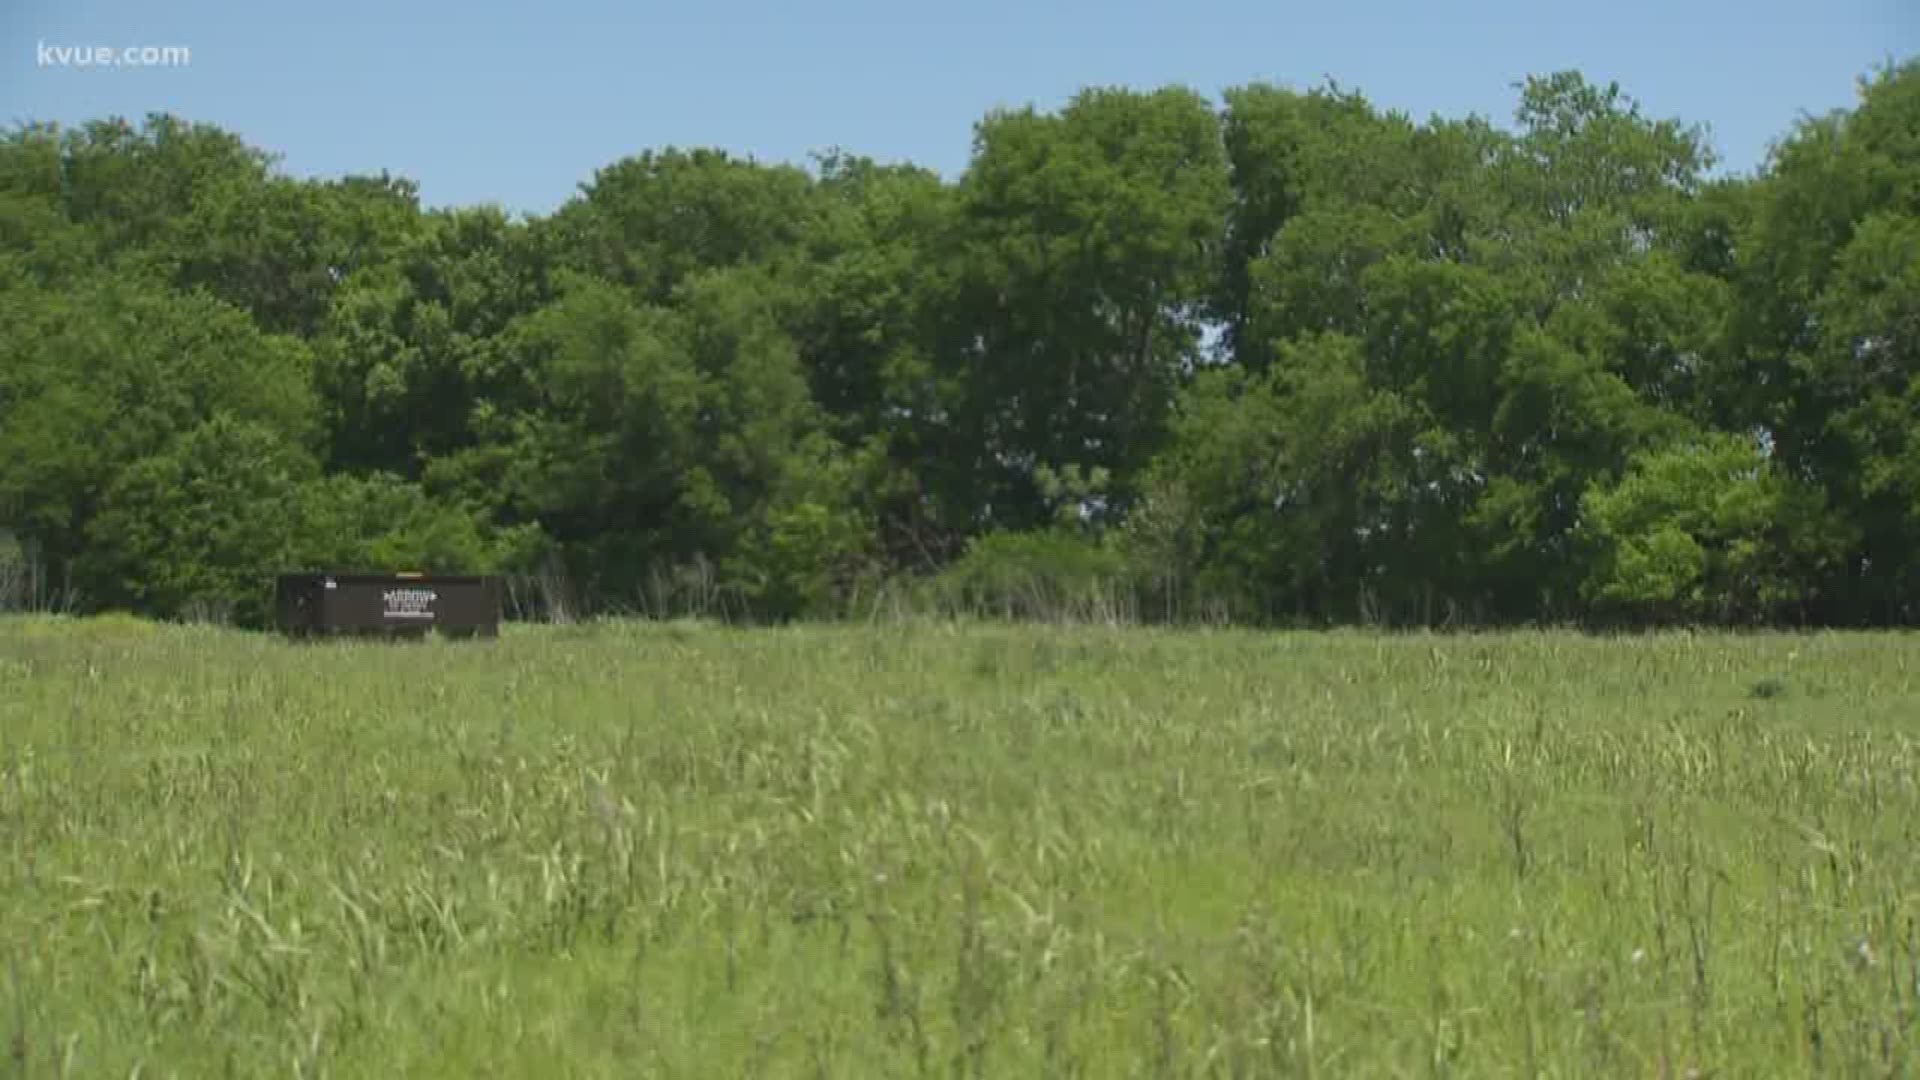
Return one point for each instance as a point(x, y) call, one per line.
point(935, 849)
point(1282, 358)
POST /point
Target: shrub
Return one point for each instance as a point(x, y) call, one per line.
point(201, 527)
point(201, 530)
point(382, 523)
point(1054, 574)
point(1708, 530)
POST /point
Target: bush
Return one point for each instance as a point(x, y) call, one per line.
point(1709, 530)
point(383, 523)
point(800, 561)
point(201, 530)
point(1050, 575)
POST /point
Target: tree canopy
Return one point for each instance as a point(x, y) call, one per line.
point(1284, 357)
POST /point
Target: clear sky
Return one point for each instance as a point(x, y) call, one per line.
point(518, 103)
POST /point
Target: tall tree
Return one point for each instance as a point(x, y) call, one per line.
point(411, 363)
point(1084, 254)
point(101, 374)
point(1828, 326)
point(649, 222)
point(863, 306)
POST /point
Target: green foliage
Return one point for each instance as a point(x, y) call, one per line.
point(200, 528)
point(860, 311)
point(108, 372)
point(1825, 328)
point(1287, 357)
point(1083, 262)
point(1285, 489)
point(1709, 529)
point(1047, 575)
point(281, 248)
point(651, 222)
point(1289, 155)
point(802, 561)
point(132, 187)
point(383, 523)
point(414, 362)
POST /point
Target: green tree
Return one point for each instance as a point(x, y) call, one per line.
point(1709, 529)
point(1824, 355)
point(132, 186)
point(1292, 154)
point(201, 527)
point(383, 523)
point(413, 364)
point(1292, 357)
point(97, 376)
point(1286, 493)
point(863, 305)
point(1085, 250)
point(280, 249)
point(649, 222)
point(660, 437)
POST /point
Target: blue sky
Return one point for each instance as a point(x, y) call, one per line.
point(517, 104)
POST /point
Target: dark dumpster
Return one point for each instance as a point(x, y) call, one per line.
point(403, 605)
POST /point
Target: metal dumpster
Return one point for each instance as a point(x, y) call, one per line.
point(402, 605)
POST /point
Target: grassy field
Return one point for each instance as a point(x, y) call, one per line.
point(939, 850)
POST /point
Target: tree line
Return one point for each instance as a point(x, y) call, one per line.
point(1280, 358)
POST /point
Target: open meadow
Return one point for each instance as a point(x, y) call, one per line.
point(937, 849)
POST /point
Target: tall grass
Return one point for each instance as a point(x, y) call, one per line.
point(938, 848)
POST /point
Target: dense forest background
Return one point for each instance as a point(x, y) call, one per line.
point(1281, 358)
